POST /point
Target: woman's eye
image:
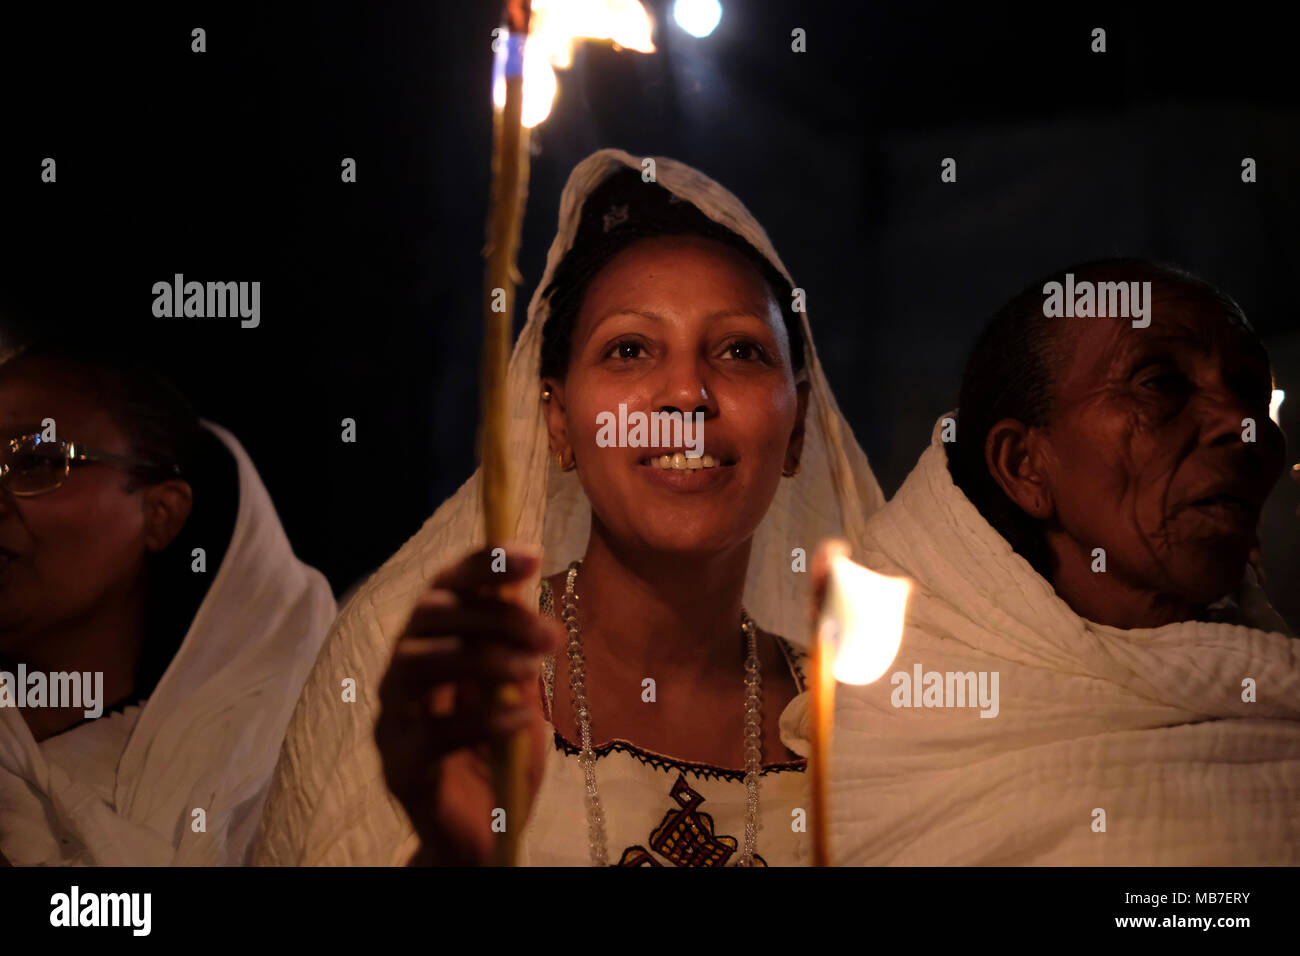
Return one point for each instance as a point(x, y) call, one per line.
point(1166, 382)
point(626, 349)
point(745, 351)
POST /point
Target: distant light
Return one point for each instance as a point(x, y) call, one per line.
point(697, 17)
point(1275, 406)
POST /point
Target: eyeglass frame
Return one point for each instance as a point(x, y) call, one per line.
point(74, 453)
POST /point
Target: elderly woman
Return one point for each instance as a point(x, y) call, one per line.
point(655, 726)
point(1089, 674)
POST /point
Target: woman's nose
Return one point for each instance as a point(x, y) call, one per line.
point(1229, 417)
point(686, 391)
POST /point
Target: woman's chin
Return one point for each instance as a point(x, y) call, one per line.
point(690, 540)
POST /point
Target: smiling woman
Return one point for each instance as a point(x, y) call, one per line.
point(676, 584)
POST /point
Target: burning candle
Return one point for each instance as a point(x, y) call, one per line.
point(856, 637)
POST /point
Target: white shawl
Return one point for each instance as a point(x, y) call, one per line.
point(122, 790)
point(329, 803)
point(1147, 725)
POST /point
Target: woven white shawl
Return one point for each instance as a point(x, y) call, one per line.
point(329, 803)
point(1146, 725)
point(122, 791)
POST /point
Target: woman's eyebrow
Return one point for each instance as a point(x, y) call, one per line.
point(643, 313)
point(732, 313)
point(737, 313)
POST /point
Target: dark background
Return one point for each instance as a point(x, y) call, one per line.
point(225, 166)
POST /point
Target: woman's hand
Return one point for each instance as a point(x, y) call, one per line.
point(439, 714)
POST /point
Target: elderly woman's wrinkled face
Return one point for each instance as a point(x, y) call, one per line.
point(1161, 447)
point(685, 325)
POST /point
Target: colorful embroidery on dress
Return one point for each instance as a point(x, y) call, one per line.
point(685, 837)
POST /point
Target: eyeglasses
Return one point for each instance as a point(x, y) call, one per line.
point(31, 466)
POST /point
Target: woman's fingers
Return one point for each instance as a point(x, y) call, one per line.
point(421, 662)
point(453, 709)
point(470, 728)
point(488, 568)
point(425, 737)
point(443, 613)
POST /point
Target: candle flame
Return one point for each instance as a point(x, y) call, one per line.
point(554, 27)
point(862, 620)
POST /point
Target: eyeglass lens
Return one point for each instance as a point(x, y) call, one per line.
point(33, 468)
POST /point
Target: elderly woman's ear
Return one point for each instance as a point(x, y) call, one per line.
point(1017, 459)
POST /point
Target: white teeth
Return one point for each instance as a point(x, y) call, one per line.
point(679, 462)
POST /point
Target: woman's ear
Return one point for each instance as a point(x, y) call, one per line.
point(167, 506)
point(794, 450)
point(556, 424)
point(1014, 454)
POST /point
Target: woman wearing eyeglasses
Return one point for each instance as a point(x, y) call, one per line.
point(149, 604)
point(678, 564)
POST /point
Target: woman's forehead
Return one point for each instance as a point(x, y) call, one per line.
point(666, 266)
point(31, 396)
point(1179, 324)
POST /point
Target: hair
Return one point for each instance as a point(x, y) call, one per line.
point(619, 212)
point(159, 424)
point(1012, 372)
point(164, 433)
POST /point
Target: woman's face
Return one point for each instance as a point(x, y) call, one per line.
point(680, 324)
point(1148, 456)
point(67, 553)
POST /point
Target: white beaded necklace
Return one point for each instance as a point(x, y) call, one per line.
point(596, 839)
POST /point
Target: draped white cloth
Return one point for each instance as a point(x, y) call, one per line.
point(329, 803)
point(122, 789)
point(1147, 725)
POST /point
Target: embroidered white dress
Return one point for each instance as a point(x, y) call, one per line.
point(660, 811)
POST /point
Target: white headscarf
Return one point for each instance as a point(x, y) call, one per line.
point(329, 803)
point(1102, 745)
point(206, 739)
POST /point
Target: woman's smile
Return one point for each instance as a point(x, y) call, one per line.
point(676, 472)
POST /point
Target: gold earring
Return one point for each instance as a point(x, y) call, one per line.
point(546, 394)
